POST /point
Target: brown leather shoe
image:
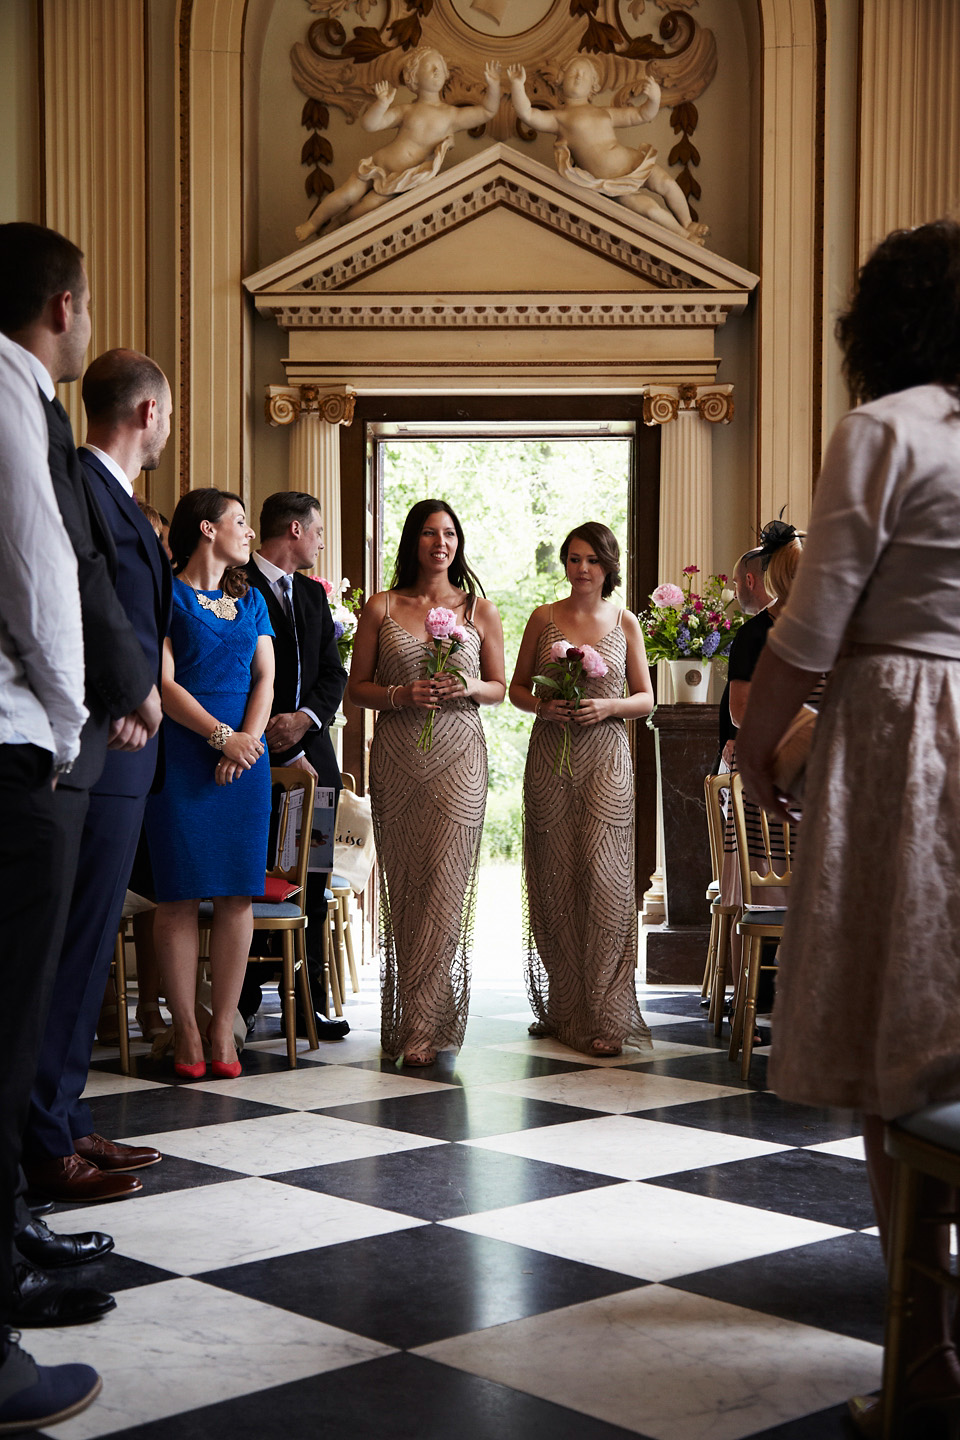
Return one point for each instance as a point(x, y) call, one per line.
point(72, 1179)
point(107, 1155)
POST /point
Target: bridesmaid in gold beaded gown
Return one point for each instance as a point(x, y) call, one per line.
point(428, 803)
point(578, 844)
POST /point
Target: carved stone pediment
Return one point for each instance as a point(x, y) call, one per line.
point(500, 262)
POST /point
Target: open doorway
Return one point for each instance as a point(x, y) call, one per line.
point(516, 497)
point(501, 418)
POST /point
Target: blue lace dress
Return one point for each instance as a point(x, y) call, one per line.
point(207, 839)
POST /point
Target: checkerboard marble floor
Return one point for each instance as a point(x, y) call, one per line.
point(517, 1244)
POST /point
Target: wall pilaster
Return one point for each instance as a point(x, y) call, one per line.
point(315, 417)
point(94, 120)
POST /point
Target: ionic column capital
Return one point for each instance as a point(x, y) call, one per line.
point(286, 404)
point(663, 403)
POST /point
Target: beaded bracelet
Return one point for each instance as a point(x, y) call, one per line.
point(537, 707)
point(220, 736)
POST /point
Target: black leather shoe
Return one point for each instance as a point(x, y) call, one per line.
point(326, 1029)
point(40, 1207)
point(38, 1300)
point(38, 1244)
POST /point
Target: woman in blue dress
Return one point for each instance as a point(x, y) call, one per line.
point(207, 828)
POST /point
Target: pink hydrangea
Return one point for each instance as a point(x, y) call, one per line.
point(440, 622)
point(593, 662)
point(459, 634)
point(327, 585)
point(668, 596)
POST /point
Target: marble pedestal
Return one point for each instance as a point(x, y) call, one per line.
point(686, 737)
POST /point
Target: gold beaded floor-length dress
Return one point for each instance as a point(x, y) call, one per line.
point(428, 817)
point(578, 861)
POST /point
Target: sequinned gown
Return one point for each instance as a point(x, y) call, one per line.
point(578, 861)
point(428, 816)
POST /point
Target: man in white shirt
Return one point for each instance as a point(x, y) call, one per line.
point(41, 716)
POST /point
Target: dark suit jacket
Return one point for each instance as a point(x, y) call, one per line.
point(118, 677)
point(143, 583)
point(322, 677)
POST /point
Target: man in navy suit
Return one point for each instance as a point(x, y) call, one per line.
point(309, 685)
point(128, 406)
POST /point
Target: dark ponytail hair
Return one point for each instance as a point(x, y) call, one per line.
point(407, 564)
point(603, 543)
point(185, 533)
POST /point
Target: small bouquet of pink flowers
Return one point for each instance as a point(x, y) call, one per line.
point(571, 667)
point(448, 637)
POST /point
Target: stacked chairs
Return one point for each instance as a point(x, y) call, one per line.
point(721, 916)
point(758, 921)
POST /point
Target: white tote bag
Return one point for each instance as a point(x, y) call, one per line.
point(353, 852)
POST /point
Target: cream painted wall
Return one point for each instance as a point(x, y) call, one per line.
point(20, 188)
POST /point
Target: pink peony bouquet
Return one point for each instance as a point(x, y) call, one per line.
point(681, 624)
point(570, 666)
point(448, 637)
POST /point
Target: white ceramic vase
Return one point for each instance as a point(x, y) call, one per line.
point(691, 681)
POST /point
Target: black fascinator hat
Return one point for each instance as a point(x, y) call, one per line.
point(773, 537)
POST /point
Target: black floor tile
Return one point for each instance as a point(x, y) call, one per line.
point(174, 1107)
point(172, 1173)
point(115, 1273)
point(459, 1114)
point(689, 1032)
point(444, 1181)
point(827, 1188)
point(420, 1285)
point(477, 1065)
point(403, 1397)
point(683, 1004)
point(763, 1116)
point(837, 1285)
point(711, 1066)
point(832, 1424)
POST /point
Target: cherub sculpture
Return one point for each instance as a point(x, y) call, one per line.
point(425, 131)
point(587, 150)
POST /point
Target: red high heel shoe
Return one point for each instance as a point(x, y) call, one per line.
point(190, 1072)
point(225, 1070)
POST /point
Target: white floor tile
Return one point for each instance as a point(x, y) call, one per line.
point(553, 1050)
point(617, 1091)
point(179, 1345)
point(852, 1149)
point(212, 1226)
point(669, 1365)
point(318, 1087)
point(645, 1230)
point(627, 1147)
point(273, 1144)
point(102, 1082)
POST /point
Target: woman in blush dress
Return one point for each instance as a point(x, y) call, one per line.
point(578, 845)
point(867, 1014)
point(428, 799)
point(207, 828)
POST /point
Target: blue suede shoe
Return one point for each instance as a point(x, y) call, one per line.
point(34, 1396)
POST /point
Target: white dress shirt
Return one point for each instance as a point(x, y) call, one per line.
point(41, 636)
point(108, 463)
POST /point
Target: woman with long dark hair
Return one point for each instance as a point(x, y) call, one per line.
point(428, 797)
point(207, 828)
point(868, 1008)
point(578, 846)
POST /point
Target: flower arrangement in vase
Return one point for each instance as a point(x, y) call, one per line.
point(682, 624)
point(344, 609)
